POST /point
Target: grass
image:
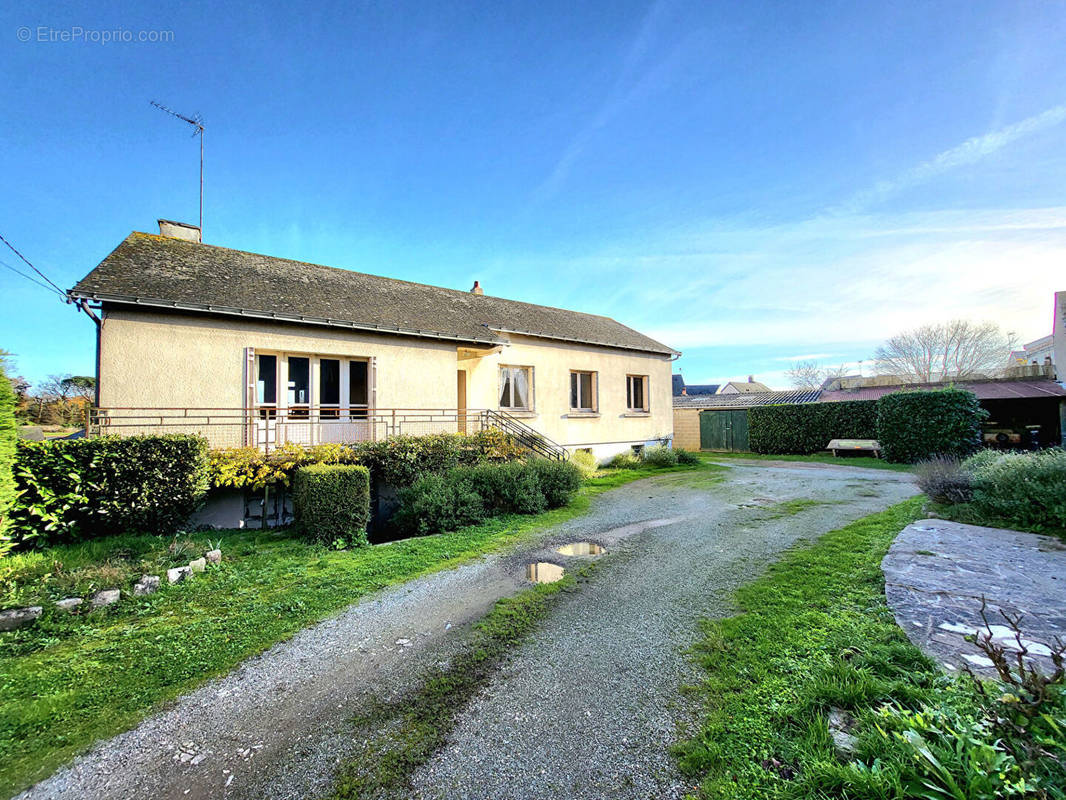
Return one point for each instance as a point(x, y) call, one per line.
point(401, 736)
point(970, 514)
point(817, 458)
point(69, 680)
point(815, 633)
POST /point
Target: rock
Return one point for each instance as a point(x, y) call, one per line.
point(178, 574)
point(214, 556)
point(148, 584)
point(841, 723)
point(17, 617)
point(106, 597)
point(198, 565)
point(69, 604)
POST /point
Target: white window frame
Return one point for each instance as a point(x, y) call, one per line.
point(645, 406)
point(343, 408)
point(529, 381)
point(592, 405)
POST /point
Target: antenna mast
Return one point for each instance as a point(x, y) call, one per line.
point(198, 123)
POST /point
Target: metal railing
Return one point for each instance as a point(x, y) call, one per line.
point(270, 428)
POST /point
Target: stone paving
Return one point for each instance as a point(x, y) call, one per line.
point(936, 573)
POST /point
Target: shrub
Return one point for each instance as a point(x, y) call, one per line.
point(506, 488)
point(332, 502)
point(917, 425)
point(398, 461)
point(806, 428)
point(659, 456)
point(1026, 489)
point(8, 437)
point(585, 461)
point(435, 503)
point(944, 480)
point(80, 488)
point(687, 459)
point(558, 480)
point(624, 461)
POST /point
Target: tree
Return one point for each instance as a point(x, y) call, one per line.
point(953, 350)
point(811, 374)
point(7, 456)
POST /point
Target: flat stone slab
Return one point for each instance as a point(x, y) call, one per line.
point(936, 573)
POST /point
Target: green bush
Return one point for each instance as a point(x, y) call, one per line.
point(398, 461)
point(686, 459)
point(8, 437)
point(585, 461)
point(558, 480)
point(506, 488)
point(81, 488)
point(436, 503)
point(659, 456)
point(917, 425)
point(806, 428)
point(944, 480)
point(1026, 489)
point(331, 502)
point(624, 461)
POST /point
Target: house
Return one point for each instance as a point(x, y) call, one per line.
point(253, 350)
point(720, 421)
point(692, 389)
point(751, 386)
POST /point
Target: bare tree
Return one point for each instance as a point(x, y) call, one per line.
point(946, 351)
point(811, 374)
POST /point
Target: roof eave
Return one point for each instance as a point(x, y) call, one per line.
point(231, 311)
point(666, 351)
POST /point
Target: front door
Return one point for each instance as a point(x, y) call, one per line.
point(460, 402)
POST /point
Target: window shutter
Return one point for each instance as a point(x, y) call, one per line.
point(372, 380)
point(249, 394)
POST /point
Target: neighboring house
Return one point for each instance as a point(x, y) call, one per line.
point(720, 422)
point(751, 386)
point(254, 350)
point(692, 389)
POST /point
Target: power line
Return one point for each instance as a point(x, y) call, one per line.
point(31, 278)
point(27, 262)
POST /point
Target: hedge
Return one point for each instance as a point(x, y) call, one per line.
point(916, 425)
point(8, 437)
point(467, 495)
point(1024, 489)
point(806, 428)
point(331, 503)
point(80, 488)
point(397, 461)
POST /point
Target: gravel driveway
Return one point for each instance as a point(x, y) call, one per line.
point(588, 707)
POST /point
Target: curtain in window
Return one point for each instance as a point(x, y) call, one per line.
point(521, 389)
point(505, 387)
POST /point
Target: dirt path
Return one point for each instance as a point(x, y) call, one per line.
point(587, 708)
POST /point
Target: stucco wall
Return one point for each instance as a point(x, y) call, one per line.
point(152, 360)
point(552, 363)
point(687, 428)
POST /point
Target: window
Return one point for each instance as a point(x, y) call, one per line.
point(299, 395)
point(515, 385)
point(329, 388)
point(583, 391)
point(637, 392)
point(266, 385)
point(357, 389)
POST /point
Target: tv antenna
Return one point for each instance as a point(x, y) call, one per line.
point(198, 123)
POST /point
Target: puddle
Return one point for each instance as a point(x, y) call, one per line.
point(581, 549)
point(544, 572)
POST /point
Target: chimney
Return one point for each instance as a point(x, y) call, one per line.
point(477, 288)
point(684, 391)
point(751, 379)
point(179, 230)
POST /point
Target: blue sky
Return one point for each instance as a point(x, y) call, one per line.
point(749, 182)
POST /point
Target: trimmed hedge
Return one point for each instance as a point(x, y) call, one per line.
point(81, 488)
point(917, 425)
point(331, 502)
point(8, 437)
point(397, 461)
point(468, 495)
point(807, 428)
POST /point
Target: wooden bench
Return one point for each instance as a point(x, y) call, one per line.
point(839, 446)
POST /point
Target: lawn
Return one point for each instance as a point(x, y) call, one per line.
point(67, 681)
point(816, 458)
point(815, 633)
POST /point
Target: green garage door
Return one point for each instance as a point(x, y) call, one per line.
point(724, 430)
